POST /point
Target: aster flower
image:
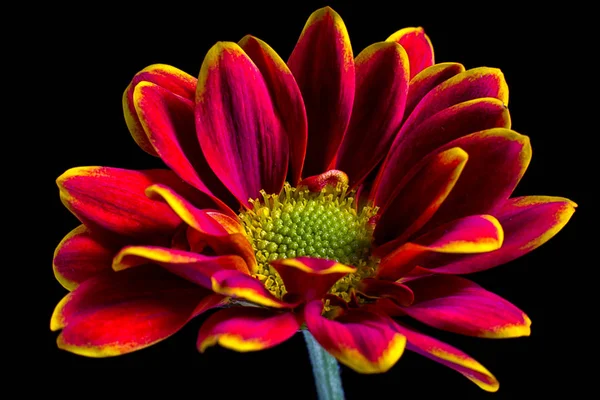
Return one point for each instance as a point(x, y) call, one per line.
point(343, 196)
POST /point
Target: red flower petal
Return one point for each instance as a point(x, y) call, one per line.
point(172, 80)
point(360, 340)
point(445, 126)
point(377, 288)
point(474, 234)
point(118, 313)
point(381, 87)
point(417, 45)
point(196, 268)
point(323, 65)
point(307, 278)
point(528, 222)
point(207, 228)
point(247, 329)
point(286, 97)
point(450, 357)
point(418, 196)
point(243, 286)
point(237, 125)
point(112, 201)
point(80, 256)
point(168, 120)
point(458, 305)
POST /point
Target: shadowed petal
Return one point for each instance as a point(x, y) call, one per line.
point(381, 87)
point(417, 45)
point(377, 288)
point(458, 305)
point(237, 125)
point(207, 228)
point(286, 97)
point(323, 65)
point(118, 313)
point(450, 357)
point(360, 340)
point(247, 329)
point(528, 222)
point(307, 278)
point(80, 256)
point(473, 234)
point(196, 268)
point(172, 80)
point(418, 196)
point(244, 287)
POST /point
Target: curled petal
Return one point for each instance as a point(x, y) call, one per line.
point(333, 177)
point(449, 356)
point(286, 98)
point(118, 313)
point(474, 234)
point(458, 305)
point(209, 229)
point(323, 65)
point(418, 196)
point(244, 287)
point(417, 45)
point(172, 80)
point(247, 329)
point(360, 340)
point(381, 87)
point(528, 222)
point(237, 126)
point(196, 268)
point(80, 256)
point(307, 278)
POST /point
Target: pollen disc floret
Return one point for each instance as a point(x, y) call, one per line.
point(298, 222)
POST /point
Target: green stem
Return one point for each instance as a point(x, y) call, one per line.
point(325, 370)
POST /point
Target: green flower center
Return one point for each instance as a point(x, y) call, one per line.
point(297, 222)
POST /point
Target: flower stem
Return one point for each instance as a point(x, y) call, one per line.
point(325, 370)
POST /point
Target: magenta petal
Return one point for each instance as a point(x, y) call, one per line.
point(238, 129)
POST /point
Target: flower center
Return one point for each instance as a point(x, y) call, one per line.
point(297, 222)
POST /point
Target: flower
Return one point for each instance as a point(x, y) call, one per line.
point(399, 174)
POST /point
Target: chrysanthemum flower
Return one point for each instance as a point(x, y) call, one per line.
point(338, 194)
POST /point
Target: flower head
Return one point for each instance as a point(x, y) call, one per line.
point(339, 194)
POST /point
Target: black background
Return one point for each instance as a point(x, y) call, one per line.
point(89, 56)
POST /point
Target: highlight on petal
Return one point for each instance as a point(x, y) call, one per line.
point(307, 278)
point(473, 234)
point(363, 341)
point(168, 120)
point(244, 287)
point(323, 66)
point(196, 268)
point(449, 356)
point(237, 125)
point(247, 329)
point(117, 313)
point(172, 80)
point(286, 97)
point(209, 229)
point(417, 45)
point(382, 75)
point(80, 256)
point(447, 125)
point(498, 159)
point(112, 200)
point(333, 178)
point(458, 305)
point(426, 80)
point(418, 196)
point(528, 222)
